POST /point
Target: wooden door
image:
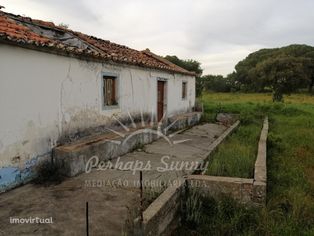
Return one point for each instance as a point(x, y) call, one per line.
point(160, 99)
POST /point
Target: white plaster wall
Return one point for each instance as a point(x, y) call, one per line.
point(44, 96)
point(175, 102)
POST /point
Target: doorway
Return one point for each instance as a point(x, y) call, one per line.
point(160, 99)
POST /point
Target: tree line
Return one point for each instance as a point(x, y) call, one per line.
point(280, 70)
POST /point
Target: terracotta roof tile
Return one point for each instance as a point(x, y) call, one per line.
point(25, 31)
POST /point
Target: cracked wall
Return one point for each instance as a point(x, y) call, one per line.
point(45, 97)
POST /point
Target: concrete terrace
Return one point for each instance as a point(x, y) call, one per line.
point(110, 192)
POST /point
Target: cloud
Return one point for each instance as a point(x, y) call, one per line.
point(217, 33)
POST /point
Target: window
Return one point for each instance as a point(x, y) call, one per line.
point(184, 89)
point(109, 91)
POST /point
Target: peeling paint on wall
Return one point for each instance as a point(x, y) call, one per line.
point(60, 97)
point(11, 176)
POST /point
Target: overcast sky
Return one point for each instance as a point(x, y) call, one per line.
point(218, 33)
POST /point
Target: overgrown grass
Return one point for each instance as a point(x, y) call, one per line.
point(223, 217)
point(290, 165)
point(236, 156)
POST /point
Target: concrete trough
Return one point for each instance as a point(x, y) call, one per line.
point(73, 157)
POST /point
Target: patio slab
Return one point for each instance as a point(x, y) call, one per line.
point(109, 200)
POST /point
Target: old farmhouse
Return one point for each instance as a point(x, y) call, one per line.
point(57, 83)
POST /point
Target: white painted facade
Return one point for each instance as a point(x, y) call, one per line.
point(44, 96)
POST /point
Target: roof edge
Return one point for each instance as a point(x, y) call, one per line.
point(163, 60)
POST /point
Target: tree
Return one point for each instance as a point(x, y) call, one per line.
point(190, 65)
point(246, 70)
point(199, 85)
point(309, 65)
point(284, 74)
point(217, 83)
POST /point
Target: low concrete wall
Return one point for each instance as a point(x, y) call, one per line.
point(260, 171)
point(162, 213)
point(73, 157)
point(238, 188)
point(184, 120)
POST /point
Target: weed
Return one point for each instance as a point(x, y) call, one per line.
point(192, 208)
point(218, 217)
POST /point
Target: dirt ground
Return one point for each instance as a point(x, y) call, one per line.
point(65, 203)
point(109, 197)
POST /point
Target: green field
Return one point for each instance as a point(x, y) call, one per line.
point(290, 163)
